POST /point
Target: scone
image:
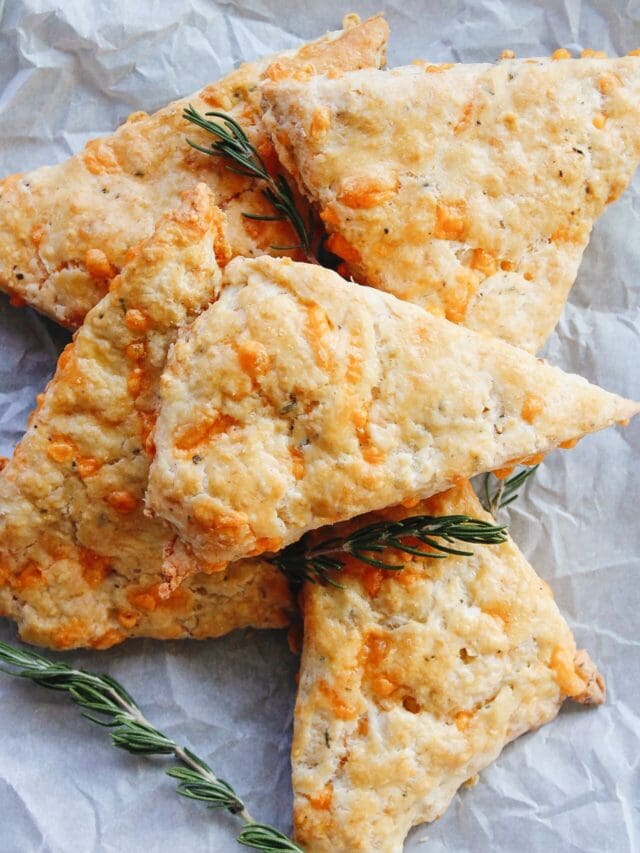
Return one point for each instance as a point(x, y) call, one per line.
point(468, 189)
point(412, 682)
point(298, 400)
point(80, 562)
point(65, 230)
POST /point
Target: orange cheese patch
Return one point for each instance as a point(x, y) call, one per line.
point(462, 720)
point(457, 298)
point(191, 436)
point(320, 123)
point(569, 443)
point(297, 463)
point(147, 424)
point(95, 567)
point(343, 249)
point(317, 327)
point(483, 261)
point(608, 82)
point(531, 408)
point(128, 619)
point(134, 381)
point(99, 158)
point(451, 221)
point(367, 191)
point(122, 501)
point(98, 265)
point(60, 451)
point(152, 598)
point(339, 705)
point(564, 672)
point(136, 351)
point(253, 357)
point(72, 633)
point(465, 118)
point(323, 799)
point(136, 321)
point(370, 452)
point(435, 69)
point(330, 216)
point(31, 576)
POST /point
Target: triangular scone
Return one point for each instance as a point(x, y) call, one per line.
point(65, 230)
point(80, 562)
point(468, 189)
point(413, 682)
point(299, 399)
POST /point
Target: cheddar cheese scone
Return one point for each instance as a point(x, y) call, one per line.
point(299, 399)
point(80, 562)
point(468, 189)
point(413, 681)
point(65, 230)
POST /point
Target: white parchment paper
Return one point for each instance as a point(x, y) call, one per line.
point(71, 70)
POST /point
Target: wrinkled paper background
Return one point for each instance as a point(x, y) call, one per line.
point(72, 70)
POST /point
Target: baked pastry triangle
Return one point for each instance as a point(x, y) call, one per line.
point(299, 399)
point(411, 682)
point(80, 562)
point(468, 189)
point(65, 230)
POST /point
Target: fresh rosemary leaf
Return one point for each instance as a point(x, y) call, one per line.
point(233, 145)
point(263, 837)
point(104, 701)
point(318, 563)
point(504, 492)
point(219, 795)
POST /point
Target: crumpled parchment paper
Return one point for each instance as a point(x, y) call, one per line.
point(70, 71)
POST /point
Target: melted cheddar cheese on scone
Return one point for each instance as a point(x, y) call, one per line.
point(468, 189)
point(80, 562)
point(413, 681)
point(65, 230)
point(299, 399)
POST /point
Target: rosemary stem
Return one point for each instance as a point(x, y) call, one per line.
point(179, 752)
point(107, 703)
point(497, 498)
point(233, 145)
point(183, 756)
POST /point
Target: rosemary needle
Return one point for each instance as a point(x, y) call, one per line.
point(233, 145)
point(317, 563)
point(104, 701)
point(505, 491)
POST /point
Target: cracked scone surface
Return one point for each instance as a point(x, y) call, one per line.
point(468, 189)
point(299, 400)
point(80, 562)
point(411, 682)
point(65, 230)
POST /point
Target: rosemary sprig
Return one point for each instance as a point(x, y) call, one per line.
point(233, 144)
point(505, 492)
point(108, 704)
point(317, 563)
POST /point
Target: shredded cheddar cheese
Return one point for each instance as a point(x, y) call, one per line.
point(451, 220)
point(136, 321)
point(367, 191)
point(122, 501)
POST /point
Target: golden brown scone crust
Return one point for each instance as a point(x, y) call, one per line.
point(299, 399)
point(413, 682)
point(80, 562)
point(468, 189)
point(65, 230)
